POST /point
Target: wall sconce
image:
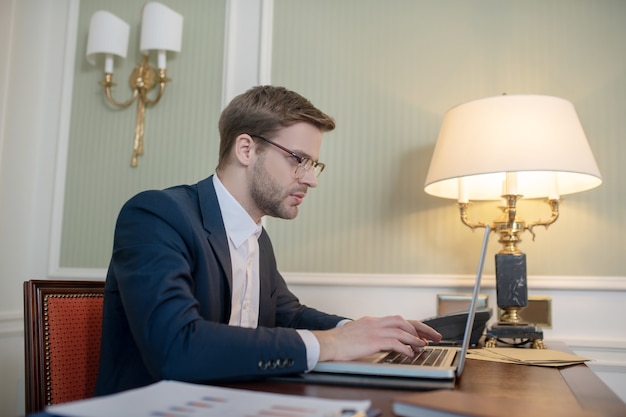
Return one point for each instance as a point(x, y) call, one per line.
point(162, 31)
point(506, 148)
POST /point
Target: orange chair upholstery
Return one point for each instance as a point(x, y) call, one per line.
point(62, 331)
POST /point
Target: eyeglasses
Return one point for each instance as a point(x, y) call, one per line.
point(304, 164)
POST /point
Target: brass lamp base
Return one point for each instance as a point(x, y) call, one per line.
point(527, 333)
point(511, 280)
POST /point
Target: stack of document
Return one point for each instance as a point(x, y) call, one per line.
point(180, 399)
point(524, 356)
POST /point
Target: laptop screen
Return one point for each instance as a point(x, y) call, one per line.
point(472, 308)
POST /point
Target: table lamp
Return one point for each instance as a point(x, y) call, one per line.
point(506, 148)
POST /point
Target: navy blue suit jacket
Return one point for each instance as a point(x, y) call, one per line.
point(167, 299)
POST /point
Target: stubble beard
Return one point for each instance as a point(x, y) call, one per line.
point(269, 196)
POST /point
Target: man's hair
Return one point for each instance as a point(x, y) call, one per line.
point(263, 110)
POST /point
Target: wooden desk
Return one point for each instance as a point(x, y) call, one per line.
point(549, 386)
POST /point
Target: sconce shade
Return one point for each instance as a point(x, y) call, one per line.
point(161, 29)
point(108, 34)
point(538, 137)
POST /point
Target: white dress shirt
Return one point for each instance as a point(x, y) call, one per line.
point(243, 234)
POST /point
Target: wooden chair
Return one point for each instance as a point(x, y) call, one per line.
point(62, 331)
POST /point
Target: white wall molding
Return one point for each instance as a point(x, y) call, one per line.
point(544, 282)
point(607, 366)
point(11, 323)
point(576, 283)
point(78, 273)
point(265, 44)
point(241, 47)
point(608, 360)
point(63, 135)
point(7, 20)
point(609, 355)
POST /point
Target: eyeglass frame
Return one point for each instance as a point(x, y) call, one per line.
point(316, 167)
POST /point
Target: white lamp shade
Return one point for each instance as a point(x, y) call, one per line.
point(161, 29)
point(538, 137)
point(108, 34)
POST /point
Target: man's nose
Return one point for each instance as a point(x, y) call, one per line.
point(309, 178)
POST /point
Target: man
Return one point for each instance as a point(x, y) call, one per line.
point(193, 292)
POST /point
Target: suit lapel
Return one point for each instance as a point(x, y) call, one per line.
point(214, 225)
point(267, 314)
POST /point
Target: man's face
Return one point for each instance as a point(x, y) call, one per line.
point(274, 187)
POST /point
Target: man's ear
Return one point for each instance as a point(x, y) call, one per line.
point(244, 149)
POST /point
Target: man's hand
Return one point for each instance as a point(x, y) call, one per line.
point(369, 335)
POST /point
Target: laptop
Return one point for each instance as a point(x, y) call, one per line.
point(393, 370)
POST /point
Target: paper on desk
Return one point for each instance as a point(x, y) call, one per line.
point(180, 399)
point(537, 357)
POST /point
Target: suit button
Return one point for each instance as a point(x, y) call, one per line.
point(262, 365)
point(290, 362)
point(272, 365)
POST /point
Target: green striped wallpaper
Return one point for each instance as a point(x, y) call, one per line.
point(387, 71)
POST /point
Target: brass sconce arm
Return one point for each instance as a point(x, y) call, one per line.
point(141, 81)
point(162, 80)
point(108, 83)
point(554, 208)
point(463, 211)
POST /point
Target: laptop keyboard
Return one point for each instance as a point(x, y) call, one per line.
point(425, 357)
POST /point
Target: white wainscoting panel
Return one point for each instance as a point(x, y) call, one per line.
point(12, 363)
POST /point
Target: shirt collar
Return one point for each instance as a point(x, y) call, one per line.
point(237, 222)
